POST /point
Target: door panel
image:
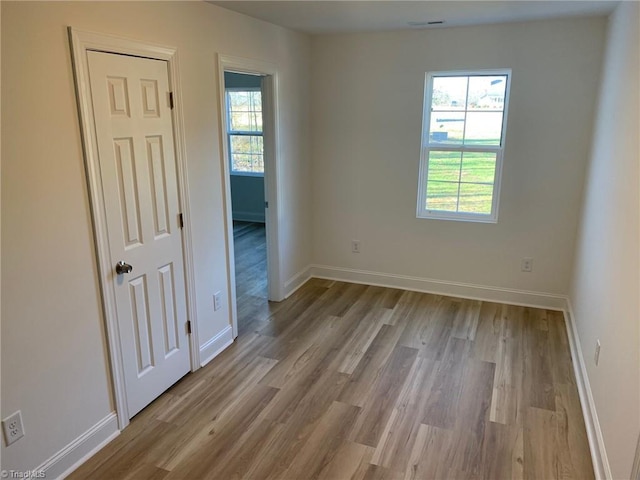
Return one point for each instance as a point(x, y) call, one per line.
point(134, 134)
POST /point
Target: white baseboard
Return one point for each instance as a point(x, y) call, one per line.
point(248, 216)
point(295, 282)
point(81, 449)
point(601, 466)
point(635, 471)
point(212, 348)
point(440, 287)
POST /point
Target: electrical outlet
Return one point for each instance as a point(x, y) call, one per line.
point(597, 354)
point(527, 264)
point(217, 301)
point(13, 428)
point(355, 246)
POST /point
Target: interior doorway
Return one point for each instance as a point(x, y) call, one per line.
point(245, 150)
point(249, 126)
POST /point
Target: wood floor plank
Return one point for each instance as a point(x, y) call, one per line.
point(299, 426)
point(360, 340)
point(472, 417)
point(465, 323)
point(324, 442)
point(237, 462)
point(313, 372)
point(429, 456)
point(503, 452)
point(571, 432)
point(507, 399)
point(442, 403)
point(406, 307)
point(344, 381)
point(417, 326)
point(227, 389)
point(401, 432)
point(485, 345)
point(540, 447)
point(216, 438)
point(560, 354)
point(351, 461)
point(440, 326)
point(378, 407)
point(538, 386)
point(364, 377)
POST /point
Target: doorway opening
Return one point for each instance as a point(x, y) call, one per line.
point(248, 163)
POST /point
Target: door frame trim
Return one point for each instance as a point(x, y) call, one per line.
point(81, 42)
point(269, 71)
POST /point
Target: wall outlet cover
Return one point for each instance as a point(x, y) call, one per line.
point(217, 301)
point(13, 428)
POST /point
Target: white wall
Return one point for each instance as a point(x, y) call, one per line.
point(54, 362)
point(605, 290)
point(367, 94)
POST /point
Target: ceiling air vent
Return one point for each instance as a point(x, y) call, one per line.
point(425, 24)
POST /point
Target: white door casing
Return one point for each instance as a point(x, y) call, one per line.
point(134, 137)
point(83, 42)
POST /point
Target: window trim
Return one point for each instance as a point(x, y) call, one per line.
point(232, 171)
point(426, 146)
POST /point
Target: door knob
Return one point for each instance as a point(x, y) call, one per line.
point(122, 268)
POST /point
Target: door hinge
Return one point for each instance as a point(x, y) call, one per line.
point(181, 221)
point(189, 327)
point(266, 204)
point(171, 100)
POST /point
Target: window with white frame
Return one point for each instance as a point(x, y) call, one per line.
point(244, 131)
point(463, 130)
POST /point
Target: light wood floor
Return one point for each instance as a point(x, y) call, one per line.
point(346, 381)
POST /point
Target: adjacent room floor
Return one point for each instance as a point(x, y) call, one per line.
point(354, 381)
point(250, 248)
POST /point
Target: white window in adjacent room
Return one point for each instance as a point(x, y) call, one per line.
point(463, 130)
point(244, 130)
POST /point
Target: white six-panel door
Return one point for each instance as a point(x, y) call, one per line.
point(134, 133)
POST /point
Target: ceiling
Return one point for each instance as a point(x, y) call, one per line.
point(318, 17)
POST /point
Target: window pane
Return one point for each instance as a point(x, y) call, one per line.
point(246, 121)
point(449, 93)
point(444, 166)
point(256, 101)
point(487, 92)
point(240, 144)
point(247, 153)
point(478, 167)
point(247, 144)
point(483, 128)
point(247, 163)
point(257, 162)
point(475, 198)
point(241, 162)
point(240, 121)
point(442, 196)
point(257, 146)
point(239, 101)
point(446, 127)
point(245, 111)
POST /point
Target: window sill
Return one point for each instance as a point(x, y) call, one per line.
point(458, 218)
point(247, 174)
